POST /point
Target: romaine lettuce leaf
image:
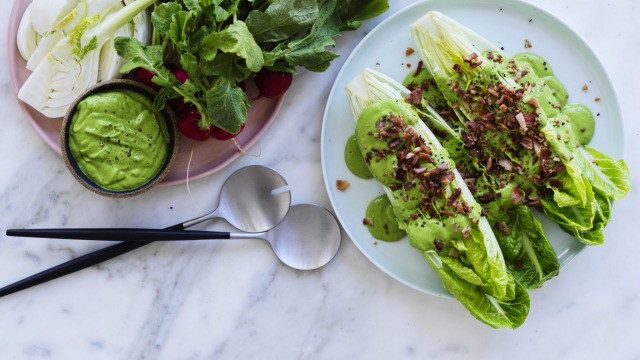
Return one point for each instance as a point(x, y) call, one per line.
point(529, 256)
point(610, 177)
point(493, 312)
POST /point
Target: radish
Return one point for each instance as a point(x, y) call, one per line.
point(273, 84)
point(222, 135)
point(188, 123)
point(178, 105)
point(181, 75)
point(144, 76)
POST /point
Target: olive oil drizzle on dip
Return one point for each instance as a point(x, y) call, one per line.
point(118, 140)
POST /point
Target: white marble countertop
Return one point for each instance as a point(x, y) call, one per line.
point(234, 300)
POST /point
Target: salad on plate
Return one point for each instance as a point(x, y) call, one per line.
point(466, 149)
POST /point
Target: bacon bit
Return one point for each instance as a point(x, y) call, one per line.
point(409, 51)
point(447, 178)
point(438, 244)
point(486, 198)
point(394, 143)
point(534, 102)
point(527, 44)
point(596, 99)
point(447, 212)
point(475, 64)
point(466, 231)
point(506, 164)
point(489, 164)
point(454, 197)
point(418, 69)
point(456, 227)
point(367, 221)
point(521, 121)
point(415, 97)
point(471, 60)
point(502, 226)
point(342, 185)
point(585, 87)
point(533, 201)
point(555, 183)
point(520, 74)
point(517, 196)
point(470, 57)
point(457, 68)
point(527, 142)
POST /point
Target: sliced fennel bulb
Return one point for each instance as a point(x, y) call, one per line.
point(46, 13)
point(26, 37)
point(64, 24)
point(73, 64)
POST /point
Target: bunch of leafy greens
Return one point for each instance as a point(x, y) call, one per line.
point(220, 43)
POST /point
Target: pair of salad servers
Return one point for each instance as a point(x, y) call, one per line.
point(253, 199)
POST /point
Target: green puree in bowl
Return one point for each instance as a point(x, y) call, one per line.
point(118, 139)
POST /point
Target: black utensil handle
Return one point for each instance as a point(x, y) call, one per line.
point(124, 234)
point(71, 266)
point(77, 264)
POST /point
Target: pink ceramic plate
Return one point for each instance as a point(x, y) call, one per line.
point(208, 156)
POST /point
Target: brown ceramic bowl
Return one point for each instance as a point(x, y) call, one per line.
point(87, 181)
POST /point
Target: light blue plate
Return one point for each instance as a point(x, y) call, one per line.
point(507, 23)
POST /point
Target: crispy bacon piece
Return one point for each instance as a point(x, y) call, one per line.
point(342, 185)
point(414, 97)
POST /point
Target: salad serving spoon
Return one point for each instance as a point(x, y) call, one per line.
point(252, 199)
point(307, 238)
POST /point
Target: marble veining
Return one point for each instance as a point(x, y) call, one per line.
point(234, 300)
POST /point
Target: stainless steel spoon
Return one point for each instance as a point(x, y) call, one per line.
point(249, 200)
point(252, 199)
point(307, 238)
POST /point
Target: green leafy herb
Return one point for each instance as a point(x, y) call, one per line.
point(220, 43)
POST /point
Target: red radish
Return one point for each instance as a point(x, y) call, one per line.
point(178, 105)
point(188, 125)
point(220, 134)
point(144, 76)
point(181, 75)
point(273, 84)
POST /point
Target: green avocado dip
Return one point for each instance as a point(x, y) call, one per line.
point(383, 224)
point(354, 160)
point(118, 140)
